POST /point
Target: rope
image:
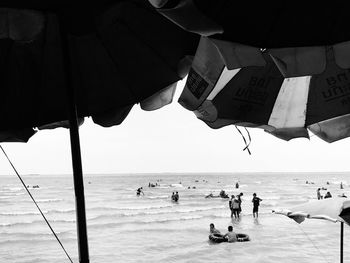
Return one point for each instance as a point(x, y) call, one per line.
point(25, 187)
point(245, 141)
point(319, 251)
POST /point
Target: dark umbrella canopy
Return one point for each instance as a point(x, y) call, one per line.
point(116, 62)
point(61, 60)
point(261, 24)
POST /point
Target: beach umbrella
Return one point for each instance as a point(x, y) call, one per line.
point(331, 209)
point(114, 61)
point(63, 61)
point(105, 56)
point(261, 24)
point(284, 91)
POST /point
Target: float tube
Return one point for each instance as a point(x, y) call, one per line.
point(242, 237)
point(220, 239)
point(217, 239)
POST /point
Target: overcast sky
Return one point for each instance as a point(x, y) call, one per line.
point(171, 139)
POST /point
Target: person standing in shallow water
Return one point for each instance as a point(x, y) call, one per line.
point(240, 203)
point(319, 196)
point(256, 202)
point(234, 206)
point(230, 204)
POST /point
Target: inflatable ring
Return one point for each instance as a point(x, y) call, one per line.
point(242, 237)
point(217, 239)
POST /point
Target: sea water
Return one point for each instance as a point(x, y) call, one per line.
point(123, 227)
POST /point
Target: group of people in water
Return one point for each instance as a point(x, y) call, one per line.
point(175, 196)
point(235, 205)
point(328, 194)
point(230, 236)
point(235, 202)
point(319, 196)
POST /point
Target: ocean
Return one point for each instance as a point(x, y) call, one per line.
point(123, 227)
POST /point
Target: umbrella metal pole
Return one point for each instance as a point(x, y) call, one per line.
point(83, 248)
point(341, 241)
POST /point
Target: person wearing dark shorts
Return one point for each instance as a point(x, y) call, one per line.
point(256, 202)
point(240, 203)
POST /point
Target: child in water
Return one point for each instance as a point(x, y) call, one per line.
point(230, 235)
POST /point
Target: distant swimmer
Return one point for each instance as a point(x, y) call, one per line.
point(327, 195)
point(175, 197)
point(209, 195)
point(341, 185)
point(139, 191)
point(237, 185)
point(223, 194)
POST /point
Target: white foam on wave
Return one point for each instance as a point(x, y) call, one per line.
point(142, 222)
point(158, 197)
point(19, 213)
point(33, 222)
point(176, 185)
point(150, 213)
point(12, 189)
point(49, 200)
point(338, 182)
point(110, 208)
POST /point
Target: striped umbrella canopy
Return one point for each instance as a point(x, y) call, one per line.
point(284, 91)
